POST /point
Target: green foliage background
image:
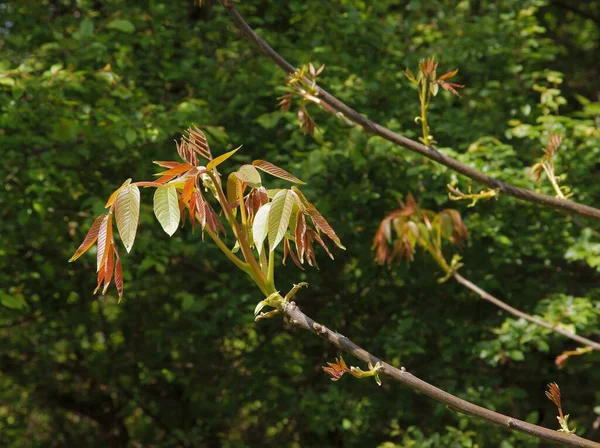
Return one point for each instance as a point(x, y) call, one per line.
point(180, 362)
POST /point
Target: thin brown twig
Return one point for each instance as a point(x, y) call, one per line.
point(515, 312)
point(427, 151)
point(301, 320)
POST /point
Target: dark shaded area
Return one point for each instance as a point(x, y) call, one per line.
point(92, 92)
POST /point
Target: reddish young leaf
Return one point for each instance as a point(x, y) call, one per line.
point(200, 208)
point(196, 140)
point(273, 170)
point(164, 179)
point(337, 369)
point(166, 164)
point(148, 184)
point(179, 169)
point(448, 75)
point(192, 209)
point(187, 190)
point(89, 239)
point(100, 279)
point(119, 278)
point(109, 268)
point(319, 240)
point(186, 152)
point(319, 221)
point(300, 234)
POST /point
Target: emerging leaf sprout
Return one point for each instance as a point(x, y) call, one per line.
point(546, 164)
point(337, 369)
point(259, 219)
point(428, 85)
point(553, 394)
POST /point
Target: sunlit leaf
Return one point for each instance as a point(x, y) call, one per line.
point(219, 160)
point(273, 170)
point(179, 169)
point(319, 221)
point(104, 235)
point(259, 227)
point(279, 217)
point(166, 208)
point(166, 164)
point(249, 175)
point(127, 213)
point(89, 239)
point(188, 189)
point(119, 278)
point(113, 196)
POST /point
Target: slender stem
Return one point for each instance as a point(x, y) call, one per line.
point(271, 273)
point(257, 273)
point(239, 263)
point(376, 129)
point(515, 312)
point(263, 261)
point(553, 181)
point(301, 320)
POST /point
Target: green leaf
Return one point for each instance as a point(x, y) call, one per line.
point(122, 25)
point(259, 227)
point(219, 160)
point(166, 208)
point(13, 302)
point(279, 217)
point(86, 28)
point(250, 175)
point(127, 213)
point(89, 239)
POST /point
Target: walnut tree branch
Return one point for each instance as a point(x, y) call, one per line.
point(427, 151)
point(515, 312)
point(299, 319)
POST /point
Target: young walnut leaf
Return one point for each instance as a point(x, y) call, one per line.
point(319, 221)
point(273, 170)
point(250, 175)
point(166, 208)
point(259, 227)
point(89, 239)
point(279, 217)
point(104, 240)
point(119, 278)
point(127, 213)
point(219, 160)
point(113, 196)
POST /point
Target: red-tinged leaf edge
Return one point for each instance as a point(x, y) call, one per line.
point(166, 164)
point(89, 239)
point(179, 169)
point(104, 239)
point(187, 190)
point(148, 184)
point(109, 268)
point(274, 170)
point(119, 278)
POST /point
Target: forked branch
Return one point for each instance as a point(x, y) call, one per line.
point(299, 319)
point(427, 151)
